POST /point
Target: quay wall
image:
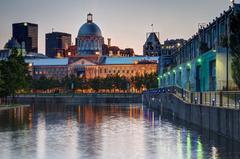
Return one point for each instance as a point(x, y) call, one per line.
point(93, 98)
point(223, 121)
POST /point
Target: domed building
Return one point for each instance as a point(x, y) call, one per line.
point(13, 44)
point(90, 40)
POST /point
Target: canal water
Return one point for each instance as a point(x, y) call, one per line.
point(104, 131)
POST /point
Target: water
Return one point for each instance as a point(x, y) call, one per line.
point(106, 131)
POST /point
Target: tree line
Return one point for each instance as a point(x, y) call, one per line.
point(108, 84)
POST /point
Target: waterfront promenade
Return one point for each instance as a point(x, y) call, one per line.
point(218, 114)
point(82, 98)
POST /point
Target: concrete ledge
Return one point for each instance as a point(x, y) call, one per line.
point(220, 120)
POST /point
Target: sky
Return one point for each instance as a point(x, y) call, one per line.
point(126, 22)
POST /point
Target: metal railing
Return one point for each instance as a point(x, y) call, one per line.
point(224, 99)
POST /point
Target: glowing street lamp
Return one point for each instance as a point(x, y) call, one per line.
point(199, 60)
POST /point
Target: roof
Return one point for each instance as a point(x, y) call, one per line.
point(89, 29)
point(48, 62)
point(128, 60)
point(91, 58)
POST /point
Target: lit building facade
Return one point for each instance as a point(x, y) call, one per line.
point(202, 63)
point(89, 40)
point(92, 66)
point(122, 66)
point(126, 70)
point(49, 68)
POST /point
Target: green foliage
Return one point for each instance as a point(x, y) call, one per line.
point(95, 84)
point(235, 47)
point(148, 80)
point(14, 75)
point(151, 81)
point(44, 83)
point(138, 81)
point(110, 83)
point(236, 71)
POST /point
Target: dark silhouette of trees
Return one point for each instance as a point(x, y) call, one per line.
point(235, 47)
point(14, 75)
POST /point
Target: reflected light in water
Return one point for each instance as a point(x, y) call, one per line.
point(101, 131)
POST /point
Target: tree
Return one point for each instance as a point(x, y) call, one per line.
point(235, 47)
point(14, 74)
point(151, 81)
point(138, 82)
point(95, 84)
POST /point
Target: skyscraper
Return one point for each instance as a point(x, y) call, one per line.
point(27, 35)
point(57, 43)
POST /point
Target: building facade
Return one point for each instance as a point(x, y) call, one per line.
point(49, 68)
point(57, 43)
point(126, 70)
point(122, 66)
point(27, 35)
point(152, 46)
point(203, 63)
point(109, 50)
point(89, 40)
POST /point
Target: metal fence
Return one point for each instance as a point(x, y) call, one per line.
point(216, 99)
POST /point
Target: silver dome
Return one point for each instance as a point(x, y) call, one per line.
point(89, 29)
point(12, 44)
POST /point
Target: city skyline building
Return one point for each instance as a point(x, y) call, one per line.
point(26, 35)
point(203, 63)
point(57, 43)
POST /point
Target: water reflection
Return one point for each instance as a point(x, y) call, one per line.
point(57, 130)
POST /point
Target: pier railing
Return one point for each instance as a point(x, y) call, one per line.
point(216, 99)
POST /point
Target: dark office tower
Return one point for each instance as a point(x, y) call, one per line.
point(27, 35)
point(57, 43)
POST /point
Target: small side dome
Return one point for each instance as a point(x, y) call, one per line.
point(12, 44)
